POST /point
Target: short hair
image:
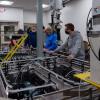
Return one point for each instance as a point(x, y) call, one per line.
point(70, 26)
point(49, 29)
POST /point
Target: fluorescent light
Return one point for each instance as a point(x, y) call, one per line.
point(6, 2)
point(45, 5)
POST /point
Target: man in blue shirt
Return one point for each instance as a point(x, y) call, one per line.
point(31, 41)
point(51, 40)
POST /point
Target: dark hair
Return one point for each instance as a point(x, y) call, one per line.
point(29, 30)
point(70, 26)
point(20, 31)
point(43, 27)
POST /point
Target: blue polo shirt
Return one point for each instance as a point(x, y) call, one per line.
point(31, 40)
point(51, 41)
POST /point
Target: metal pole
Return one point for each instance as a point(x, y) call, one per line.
point(39, 28)
point(30, 88)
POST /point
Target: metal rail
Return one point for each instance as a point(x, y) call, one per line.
point(30, 88)
point(55, 74)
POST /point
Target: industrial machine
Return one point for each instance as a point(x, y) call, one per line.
point(28, 77)
point(94, 39)
point(55, 7)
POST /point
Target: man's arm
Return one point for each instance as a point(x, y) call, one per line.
point(63, 46)
point(75, 49)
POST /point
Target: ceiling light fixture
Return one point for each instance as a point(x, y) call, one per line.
point(6, 2)
point(45, 5)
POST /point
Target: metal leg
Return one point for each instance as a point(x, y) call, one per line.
point(79, 91)
point(90, 94)
point(49, 78)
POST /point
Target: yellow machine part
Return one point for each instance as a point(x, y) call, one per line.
point(86, 77)
point(15, 48)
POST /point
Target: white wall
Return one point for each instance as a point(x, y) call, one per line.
point(21, 16)
point(45, 18)
point(12, 14)
point(75, 12)
point(30, 17)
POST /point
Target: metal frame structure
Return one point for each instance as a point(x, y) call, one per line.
point(36, 65)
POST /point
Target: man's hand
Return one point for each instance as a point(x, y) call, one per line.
point(70, 57)
point(48, 51)
point(45, 50)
